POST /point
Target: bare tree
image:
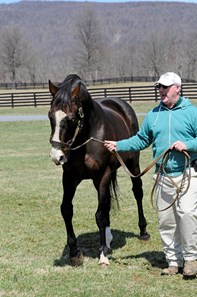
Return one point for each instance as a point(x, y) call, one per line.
point(96, 41)
point(126, 60)
point(159, 53)
point(153, 54)
point(16, 53)
point(88, 49)
point(188, 57)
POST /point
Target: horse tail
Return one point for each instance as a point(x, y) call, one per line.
point(113, 189)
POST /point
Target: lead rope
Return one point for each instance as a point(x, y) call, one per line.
point(164, 156)
point(179, 189)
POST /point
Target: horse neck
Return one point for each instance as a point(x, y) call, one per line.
point(88, 108)
point(89, 115)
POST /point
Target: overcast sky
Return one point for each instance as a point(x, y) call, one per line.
point(188, 1)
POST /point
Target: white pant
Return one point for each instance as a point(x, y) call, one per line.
point(178, 224)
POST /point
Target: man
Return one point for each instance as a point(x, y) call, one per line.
point(172, 124)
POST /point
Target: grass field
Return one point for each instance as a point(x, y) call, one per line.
point(138, 106)
point(32, 233)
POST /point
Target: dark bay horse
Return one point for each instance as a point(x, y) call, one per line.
point(79, 125)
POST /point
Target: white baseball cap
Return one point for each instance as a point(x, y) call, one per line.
point(169, 78)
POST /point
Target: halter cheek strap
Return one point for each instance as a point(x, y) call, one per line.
point(65, 146)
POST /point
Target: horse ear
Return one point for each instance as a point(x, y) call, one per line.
point(76, 90)
point(52, 88)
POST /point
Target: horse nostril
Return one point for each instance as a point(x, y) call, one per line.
point(61, 160)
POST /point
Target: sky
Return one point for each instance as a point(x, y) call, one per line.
point(186, 1)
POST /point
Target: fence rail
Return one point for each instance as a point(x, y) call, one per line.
point(23, 99)
point(133, 93)
point(93, 82)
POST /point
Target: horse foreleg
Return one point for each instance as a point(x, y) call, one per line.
point(138, 193)
point(76, 257)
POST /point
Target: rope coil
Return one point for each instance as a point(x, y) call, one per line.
point(179, 189)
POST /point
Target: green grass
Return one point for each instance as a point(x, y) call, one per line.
point(40, 110)
point(24, 110)
point(33, 235)
point(138, 106)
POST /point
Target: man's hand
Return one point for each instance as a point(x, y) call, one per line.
point(110, 145)
point(179, 146)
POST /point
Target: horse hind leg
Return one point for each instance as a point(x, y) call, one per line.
point(105, 250)
point(104, 261)
point(137, 189)
point(108, 236)
point(138, 194)
point(103, 218)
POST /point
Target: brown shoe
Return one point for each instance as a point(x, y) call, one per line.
point(190, 268)
point(171, 270)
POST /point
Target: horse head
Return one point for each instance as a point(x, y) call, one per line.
point(66, 116)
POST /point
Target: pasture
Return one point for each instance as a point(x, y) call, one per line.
point(33, 233)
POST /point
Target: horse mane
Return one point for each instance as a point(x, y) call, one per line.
point(65, 88)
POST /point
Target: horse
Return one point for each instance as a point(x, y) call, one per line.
point(79, 125)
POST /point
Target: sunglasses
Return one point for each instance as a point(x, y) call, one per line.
point(159, 86)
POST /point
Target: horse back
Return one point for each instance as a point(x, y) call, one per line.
point(120, 112)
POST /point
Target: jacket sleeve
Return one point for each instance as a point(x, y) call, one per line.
point(192, 143)
point(140, 141)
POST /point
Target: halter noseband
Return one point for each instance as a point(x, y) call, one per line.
point(66, 146)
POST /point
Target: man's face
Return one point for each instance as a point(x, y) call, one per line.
point(169, 94)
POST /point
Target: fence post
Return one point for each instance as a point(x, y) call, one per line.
point(12, 100)
point(130, 98)
point(156, 97)
point(35, 103)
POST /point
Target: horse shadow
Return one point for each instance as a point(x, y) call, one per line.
point(89, 243)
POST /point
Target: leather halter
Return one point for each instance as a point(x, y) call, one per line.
point(65, 146)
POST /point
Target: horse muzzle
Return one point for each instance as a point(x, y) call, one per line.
point(58, 157)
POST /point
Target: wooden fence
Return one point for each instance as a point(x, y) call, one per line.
point(93, 82)
point(133, 93)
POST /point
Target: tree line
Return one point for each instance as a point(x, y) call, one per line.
point(91, 50)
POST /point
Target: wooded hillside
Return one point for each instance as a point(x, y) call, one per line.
point(48, 40)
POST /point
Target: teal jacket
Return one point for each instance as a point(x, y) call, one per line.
point(161, 128)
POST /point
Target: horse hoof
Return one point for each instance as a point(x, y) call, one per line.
point(77, 261)
point(145, 236)
point(103, 265)
point(103, 261)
